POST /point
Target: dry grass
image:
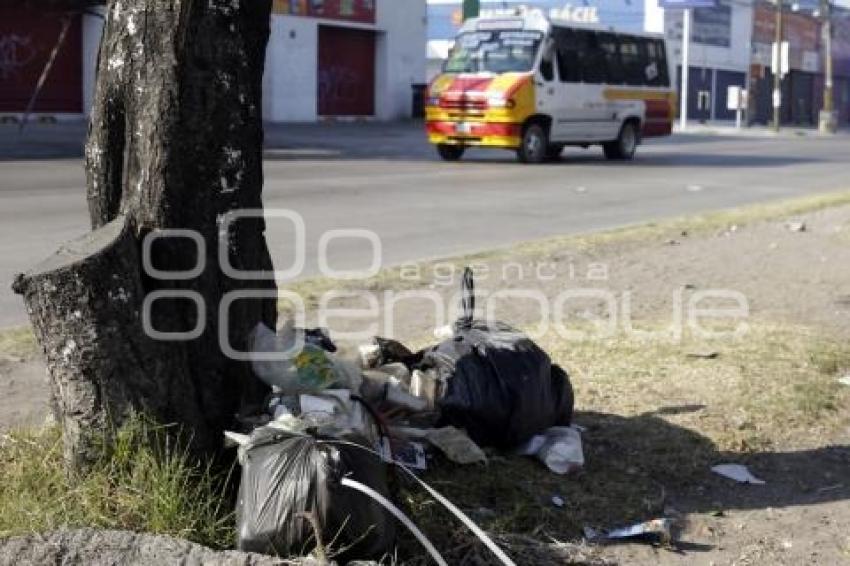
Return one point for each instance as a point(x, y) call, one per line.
point(774, 386)
point(17, 343)
point(656, 421)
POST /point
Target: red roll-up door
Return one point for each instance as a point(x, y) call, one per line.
point(346, 72)
point(27, 38)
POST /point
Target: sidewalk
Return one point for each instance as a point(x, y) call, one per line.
point(755, 131)
point(319, 140)
point(329, 140)
point(62, 140)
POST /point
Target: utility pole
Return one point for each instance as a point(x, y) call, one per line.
point(777, 70)
point(827, 122)
point(683, 90)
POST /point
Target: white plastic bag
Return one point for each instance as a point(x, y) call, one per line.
point(559, 448)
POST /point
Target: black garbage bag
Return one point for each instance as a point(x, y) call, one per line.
point(497, 383)
point(285, 475)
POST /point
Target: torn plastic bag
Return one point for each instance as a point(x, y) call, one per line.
point(299, 361)
point(286, 475)
point(496, 383)
point(384, 352)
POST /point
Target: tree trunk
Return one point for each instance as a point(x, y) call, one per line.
point(175, 143)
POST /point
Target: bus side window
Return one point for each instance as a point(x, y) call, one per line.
point(547, 65)
point(661, 58)
point(569, 66)
point(654, 63)
point(637, 69)
point(593, 61)
point(609, 45)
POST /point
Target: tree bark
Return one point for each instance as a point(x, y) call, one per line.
point(175, 142)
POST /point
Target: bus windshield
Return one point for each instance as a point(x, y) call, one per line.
point(494, 52)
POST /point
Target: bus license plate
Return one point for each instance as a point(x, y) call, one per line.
point(463, 128)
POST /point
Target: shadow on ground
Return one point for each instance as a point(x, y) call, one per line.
point(637, 468)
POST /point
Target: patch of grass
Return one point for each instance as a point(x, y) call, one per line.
point(830, 358)
point(148, 483)
point(17, 343)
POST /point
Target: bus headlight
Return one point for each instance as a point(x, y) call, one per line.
point(499, 101)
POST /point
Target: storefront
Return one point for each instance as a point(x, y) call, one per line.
point(344, 59)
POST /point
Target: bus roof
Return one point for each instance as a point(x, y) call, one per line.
point(533, 19)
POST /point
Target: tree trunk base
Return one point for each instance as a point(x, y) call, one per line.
point(85, 304)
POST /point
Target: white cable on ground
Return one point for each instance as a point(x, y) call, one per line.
point(494, 548)
point(387, 504)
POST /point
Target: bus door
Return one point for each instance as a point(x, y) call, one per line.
point(549, 99)
point(584, 115)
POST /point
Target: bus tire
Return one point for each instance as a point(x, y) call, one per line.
point(450, 152)
point(534, 145)
point(624, 147)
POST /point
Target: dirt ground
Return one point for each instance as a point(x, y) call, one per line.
point(789, 275)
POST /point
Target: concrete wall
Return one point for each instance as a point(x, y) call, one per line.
point(292, 62)
point(401, 55)
point(290, 83)
point(92, 31)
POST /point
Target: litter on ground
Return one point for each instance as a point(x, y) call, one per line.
point(559, 448)
point(737, 472)
point(659, 531)
point(317, 463)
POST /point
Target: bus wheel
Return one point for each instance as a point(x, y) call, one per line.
point(625, 145)
point(450, 152)
point(535, 144)
point(554, 151)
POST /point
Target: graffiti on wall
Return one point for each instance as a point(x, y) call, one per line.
point(27, 38)
point(337, 85)
point(16, 52)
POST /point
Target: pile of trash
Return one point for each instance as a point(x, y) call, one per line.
point(316, 465)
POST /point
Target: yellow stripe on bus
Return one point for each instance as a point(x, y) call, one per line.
point(634, 94)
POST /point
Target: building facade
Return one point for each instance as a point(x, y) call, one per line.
point(732, 45)
point(325, 59)
point(719, 55)
point(344, 58)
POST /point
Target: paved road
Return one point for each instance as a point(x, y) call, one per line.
point(385, 179)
